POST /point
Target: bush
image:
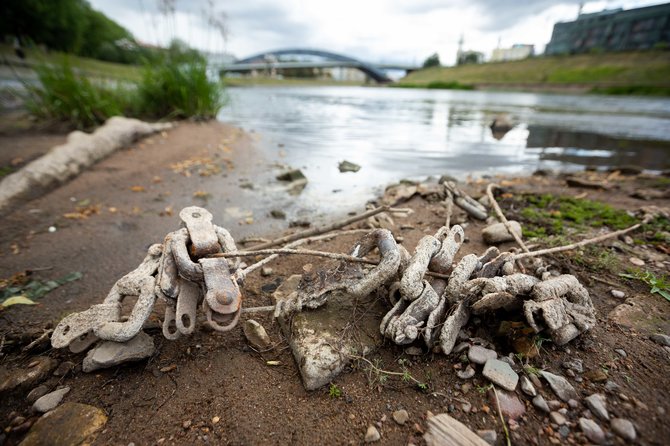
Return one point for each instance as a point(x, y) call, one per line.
point(179, 90)
point(63, 95)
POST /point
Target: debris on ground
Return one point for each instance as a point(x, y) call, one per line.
point(348, 166)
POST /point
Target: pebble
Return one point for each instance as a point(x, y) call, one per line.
point(414, 351)
point(527, 386)
point(636, 261)
point(70, 423)
point(558, 418)
point(621, 352)
point(460, 347)
point(109, 353)
point(661, 339)
point(266, 271)
point(400, 416)
point(611, 386)
point(596, 375)
point(186, 424)
point(37, 393)
point(510, 405)
point(480, 355)
point(597, 403)
point(64, 368)
point(576, 365)
point(592, 431)
point(36, 371)
point(50, 401)
point(498, 232)
point(500, 373)
point(561, 387)
point(624, 429)
point(256, 335)
point(554, 404)
point(488, 435)
point(468, 373)
point(466, 407)
point(372, 434)
point(541, 404)
point(618, 294)
point(574, 404)
point(564, 431)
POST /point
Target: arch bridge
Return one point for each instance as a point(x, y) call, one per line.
point(272, 60)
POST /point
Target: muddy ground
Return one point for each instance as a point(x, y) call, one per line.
point(213, 388)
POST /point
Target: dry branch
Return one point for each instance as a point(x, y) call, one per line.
point(501, 216)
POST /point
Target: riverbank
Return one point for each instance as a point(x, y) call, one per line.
point(643, 73)
point(213, 387)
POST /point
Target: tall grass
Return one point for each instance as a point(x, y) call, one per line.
point(179, 90)
point(173, 89)
point(65, 96)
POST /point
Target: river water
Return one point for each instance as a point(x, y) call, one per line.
point(413, 133)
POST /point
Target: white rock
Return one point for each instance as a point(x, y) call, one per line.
point(624, 428)
point(527, 387)
point(372, 434)
point(50, 400)
point(256, 335)
point(109, 353)
point(501, 373)
point(592, 431)
point(561, 387)
point(598, 405)
point(498, 233)
point(618, 294)
point(400, 416)
point(479, 354)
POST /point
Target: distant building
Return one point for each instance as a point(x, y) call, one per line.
point(517, 52)
point(613, 30)
point(467, 56)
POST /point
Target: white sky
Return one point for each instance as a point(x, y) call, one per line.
point(399, 31)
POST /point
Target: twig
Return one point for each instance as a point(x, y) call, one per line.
point(323, 229)
point(606, 282)
point(385, 372)
point(37, 341)
point(267, 309)
point(572, 246)
point(308, 252)
point(267, 260)
point(501, 216)
point(509, 443)
point(450, 208)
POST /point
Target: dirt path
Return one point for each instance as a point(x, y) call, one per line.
point(212, 388)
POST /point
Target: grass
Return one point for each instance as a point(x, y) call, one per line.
point(334, 391)
point(437, 85)
point(657, 285)
point(608, 73)
point(287, 82)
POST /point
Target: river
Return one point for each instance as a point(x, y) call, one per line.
point(413, 133)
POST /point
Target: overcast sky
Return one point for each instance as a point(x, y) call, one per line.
point(405, 31)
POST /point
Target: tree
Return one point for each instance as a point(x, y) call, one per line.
point(432, 61)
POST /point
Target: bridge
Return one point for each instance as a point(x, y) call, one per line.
point(271, 61)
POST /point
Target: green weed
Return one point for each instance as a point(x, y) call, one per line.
point(658, 285)
point(334, 391)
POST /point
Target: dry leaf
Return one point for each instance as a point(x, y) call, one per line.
point(17, 300)
point(137, 188)
point(15, 248)
point(156, 179)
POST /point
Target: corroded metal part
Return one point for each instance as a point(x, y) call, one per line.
point(380, 275)
point(493, 267)
point(186, 267)
point(431, 332)
point(76, 325)
point(404, 329)
point(201, 231)
point(222, 292)
point(214, 319)
point(168, 277)
point(125, 331)
point(170, 330)
point(411, 285)
point(452, 325)
point(459, 277)
point(187, 305)
point(443, 259)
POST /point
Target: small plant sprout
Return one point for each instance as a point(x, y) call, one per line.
point(658, 285)
point(334, 391)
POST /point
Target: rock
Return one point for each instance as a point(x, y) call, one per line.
point(317, 337)
point(541, 404)
point(618, 294)
point(109, 353)
point(527, 386)
point(400, 416)
point(596, 375)
point(558, 418)
point(564, 431)
point(574, 404)
point(624, 429)
point(372, 434)
point(636, 261)
point(592, 431)
point(611, 386)
point(68, 424)
point(278, 214)
point(510, 405)
point(561, 387)
point(64, 368)
point(627, 169)
point(413, 350)
point(488, 435)
point(37, 393)
point(37, 371)
point(347, 166)
point(575, 365)
point(621, 352)
point(292, 175)
point(661, 339)
point(498, 233)
point(256, 335)
point(499, 372)
point(399, 193)
point(266, 271)
point(460, 347)
point(586, 184)
point(468, 373)
point(466, 406)
point(479, 354)
point(554, 405)
point(50, 400)
point(598, 405)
